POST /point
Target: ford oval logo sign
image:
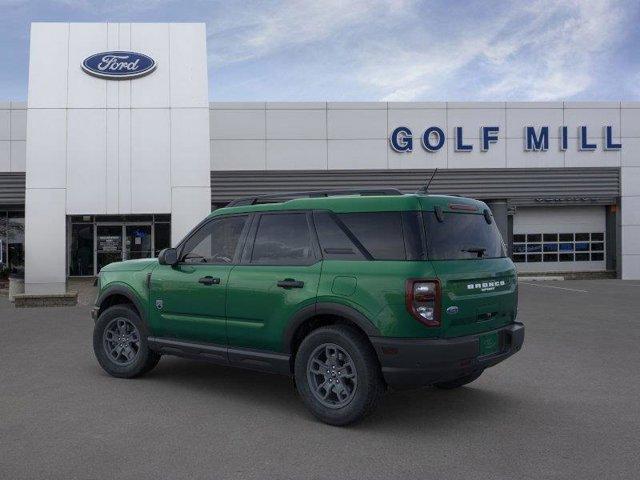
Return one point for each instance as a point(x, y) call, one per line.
point(118, 65)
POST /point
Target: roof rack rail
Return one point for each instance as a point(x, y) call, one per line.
point(314, 193)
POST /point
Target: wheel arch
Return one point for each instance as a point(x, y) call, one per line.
point(320, 314)
point(120, 294)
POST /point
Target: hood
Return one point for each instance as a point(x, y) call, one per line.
point(130, 265)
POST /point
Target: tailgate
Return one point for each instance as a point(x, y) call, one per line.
point(477, 295)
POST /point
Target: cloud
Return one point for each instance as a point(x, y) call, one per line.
point(264, 28)
point(543, 51)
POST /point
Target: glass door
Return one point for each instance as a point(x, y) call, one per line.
point(138, 242)
point(108, 245)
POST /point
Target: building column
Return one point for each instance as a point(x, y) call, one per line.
point(45, 241)
point(189, 206)
point(630, 223)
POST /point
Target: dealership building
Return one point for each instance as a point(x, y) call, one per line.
point(118, 152)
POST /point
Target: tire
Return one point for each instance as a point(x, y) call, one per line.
point(353, 389)
point(130, 354)
point(458, 382)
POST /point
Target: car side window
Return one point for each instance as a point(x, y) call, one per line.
point(215, 242)
point(379, 232)
point(283, 239)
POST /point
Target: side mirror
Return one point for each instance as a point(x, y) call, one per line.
point(168, 256)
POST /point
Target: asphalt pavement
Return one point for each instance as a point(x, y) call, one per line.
point(566, 406)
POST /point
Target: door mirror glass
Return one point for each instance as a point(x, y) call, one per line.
point(168, 256)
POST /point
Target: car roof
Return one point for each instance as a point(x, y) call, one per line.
point(367, 203)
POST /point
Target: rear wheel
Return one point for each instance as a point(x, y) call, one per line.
point(337, 375)
point(120, 343)
point(458, 382)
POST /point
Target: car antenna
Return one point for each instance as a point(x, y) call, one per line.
point(425, 188)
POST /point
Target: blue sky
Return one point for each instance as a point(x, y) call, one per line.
point(361, 50)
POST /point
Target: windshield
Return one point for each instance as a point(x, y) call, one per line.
point(462, 236)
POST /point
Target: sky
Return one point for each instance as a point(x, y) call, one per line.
point(377, 50)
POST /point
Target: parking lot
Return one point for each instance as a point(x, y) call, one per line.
point(567, 406)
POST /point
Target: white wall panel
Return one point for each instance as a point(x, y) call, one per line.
point(518, 118)
point(113, 43)
point(472, 119)
point(630, 153)
point(598, 158)
point(296, 154)
point(630, 181)
point(492, 158)
point(357, 154)
point(152, 91)
point(18, 156)
point(5, 156)
point(45, 241)
point(517, 157)
point(630, 120)
point(190, 164)
point(124, 161)
point(18, 124)
point(296, 124)
point(630, 268)
point(630, 211)
point(418, 120)
point(188, 73)
point(86, 91)
point(592, 118)
point(86, 161)
point(150, 161)
point(124, 86)
point(111, 162)
point(189, 206)
point(418, 158)
point(47, 148)
point(238, 154)
point(5, 124)
point(48, 62)
point(238, 124)
point(357, 124)
point(631, 239)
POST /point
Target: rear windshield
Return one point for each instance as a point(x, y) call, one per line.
point(462, 236)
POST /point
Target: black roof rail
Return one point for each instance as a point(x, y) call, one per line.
point(313, 194)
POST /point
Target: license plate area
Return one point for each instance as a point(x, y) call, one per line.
point(489, 343)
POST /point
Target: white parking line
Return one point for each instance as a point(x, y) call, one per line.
point(551, 286)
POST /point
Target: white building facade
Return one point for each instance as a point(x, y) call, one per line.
point(100, 169)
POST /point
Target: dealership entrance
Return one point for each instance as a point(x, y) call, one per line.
point(96, 241)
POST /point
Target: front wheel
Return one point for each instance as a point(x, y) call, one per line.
point(337, 375)
point(120, 344)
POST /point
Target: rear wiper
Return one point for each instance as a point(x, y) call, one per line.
point(477, 250)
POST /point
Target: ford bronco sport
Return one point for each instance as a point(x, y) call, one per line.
point(347, 292)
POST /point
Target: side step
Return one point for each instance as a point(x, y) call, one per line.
point(252, 359)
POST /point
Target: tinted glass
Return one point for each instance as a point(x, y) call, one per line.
point(379, 232)
point(215, 242)
point(462, 236)
point(334, 242)
point(283, 239)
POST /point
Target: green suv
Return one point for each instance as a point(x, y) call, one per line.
point(347, 292)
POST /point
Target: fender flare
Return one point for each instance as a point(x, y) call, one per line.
point(326, 308)
point(127, 292)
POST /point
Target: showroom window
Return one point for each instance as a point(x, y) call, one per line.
point(11, 242)
point(558, 247)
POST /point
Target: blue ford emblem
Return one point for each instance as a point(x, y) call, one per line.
point(118, 65)
point(452, 310)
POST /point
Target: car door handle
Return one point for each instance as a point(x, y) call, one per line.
point(208, 280)
point(290, 283)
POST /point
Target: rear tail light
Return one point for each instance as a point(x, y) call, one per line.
point(423, 301)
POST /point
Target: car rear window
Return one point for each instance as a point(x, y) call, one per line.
point(461, 236)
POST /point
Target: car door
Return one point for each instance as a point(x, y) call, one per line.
point(188, 300)
point(278, 275)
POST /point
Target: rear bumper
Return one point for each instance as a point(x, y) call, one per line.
point(411, 362)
